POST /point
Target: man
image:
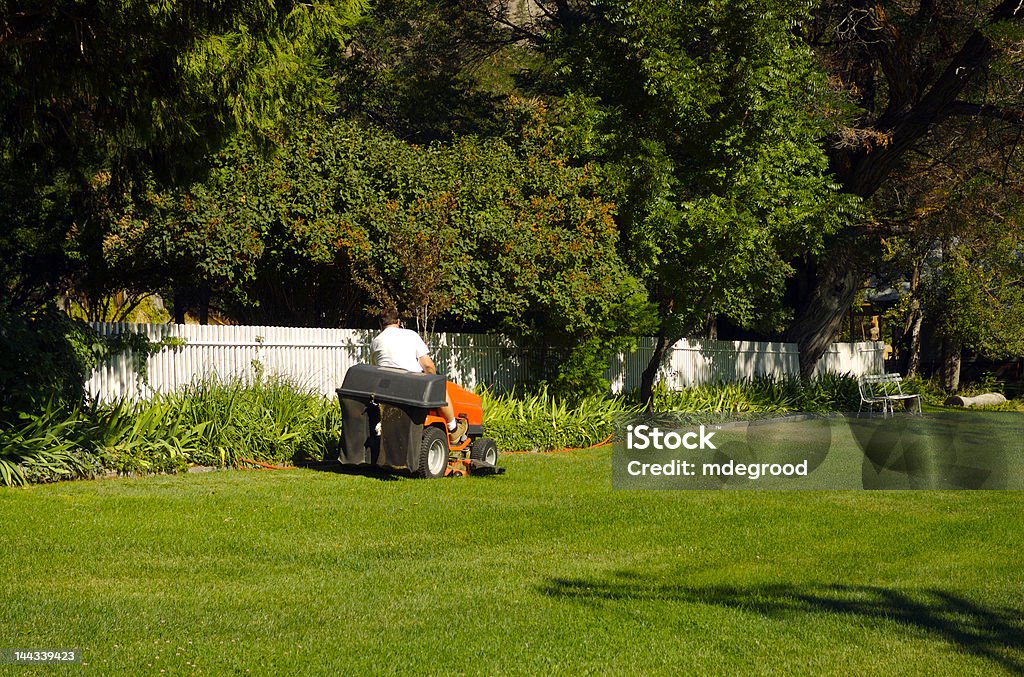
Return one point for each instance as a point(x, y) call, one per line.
point(404, 349)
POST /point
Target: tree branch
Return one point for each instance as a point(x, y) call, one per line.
point(985, 110)
point(867, 171)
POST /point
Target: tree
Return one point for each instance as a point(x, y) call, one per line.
point(514, 239)
point(706, 118)
point(912, 69)
point(196, 245)
point(474, 232)
point(975, 295)
point(961, 247)
point(424, 70)
point(97, 97)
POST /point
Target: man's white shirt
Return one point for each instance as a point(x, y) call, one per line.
point(400, 348)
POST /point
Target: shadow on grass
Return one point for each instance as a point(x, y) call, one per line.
point(376, 472)
point(995, 634)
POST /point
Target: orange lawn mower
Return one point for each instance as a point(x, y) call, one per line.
point(390, 419)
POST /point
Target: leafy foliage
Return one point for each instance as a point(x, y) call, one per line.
point(542, 421)
point(346, 219)
point(95, 97)
point(937, 88)
point(419, 68)
point(211, 423)
point(43, 447)
point(44, 357)
point(765, 394)
point(954, 234)
point(972, 286)
point(708, 118)
point(270, 419)
point(273, 420)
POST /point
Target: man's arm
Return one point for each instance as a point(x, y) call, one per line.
point(428, 365)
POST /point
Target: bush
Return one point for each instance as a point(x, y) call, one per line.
point(45, 359)
point(932, 392)
point(209, 423)
point(831, 392)
point(541, 422)
point(274, 420)
point(143, 437)
point(271, 419)
point(46, 446)
point(764, 394)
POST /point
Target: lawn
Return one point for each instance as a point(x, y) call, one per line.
point(544, 569)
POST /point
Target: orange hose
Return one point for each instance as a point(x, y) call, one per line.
point(556, 451)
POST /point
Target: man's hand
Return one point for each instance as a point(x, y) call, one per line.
point(428, 365)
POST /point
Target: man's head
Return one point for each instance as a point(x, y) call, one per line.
point(388, 318)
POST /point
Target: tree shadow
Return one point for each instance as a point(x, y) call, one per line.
point(992, 633)
point(491, 360)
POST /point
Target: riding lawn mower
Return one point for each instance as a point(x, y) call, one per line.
point(390, 419)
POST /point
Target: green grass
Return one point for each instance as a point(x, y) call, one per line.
point(544, 569)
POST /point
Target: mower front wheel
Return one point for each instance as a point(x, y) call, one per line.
point(432, 460)
point(485, 450)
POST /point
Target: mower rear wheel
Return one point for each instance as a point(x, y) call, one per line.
point(432, 460)
point(485, 450)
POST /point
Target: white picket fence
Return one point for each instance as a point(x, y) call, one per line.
point(319, 358)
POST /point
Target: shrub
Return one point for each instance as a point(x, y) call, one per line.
point(763, 394)
point(271, 419)
point(208, 423)
point(275, 420)
point(830, 392)
point(45, 359)
point(932, 392)
point(45, 447)
point(540, 421)
point(143, 437)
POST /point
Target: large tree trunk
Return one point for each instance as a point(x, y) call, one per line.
point(912, 327)
point(180, 306)
point(912, 365)
point(821, 315)
point(204, 305)
point(651, 371)
point(951, 349)
point(661, 346)
point(711, 327)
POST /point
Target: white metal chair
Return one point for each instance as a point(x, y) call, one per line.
point(885, 390)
